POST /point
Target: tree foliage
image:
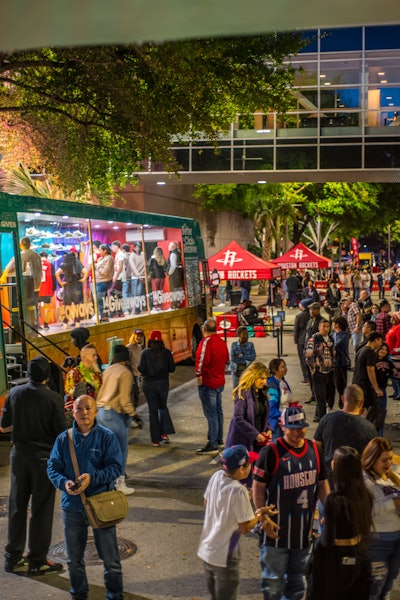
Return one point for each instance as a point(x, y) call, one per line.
point(310, 211)
point(97, 114)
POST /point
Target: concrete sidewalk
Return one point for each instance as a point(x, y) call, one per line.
point(166, 511)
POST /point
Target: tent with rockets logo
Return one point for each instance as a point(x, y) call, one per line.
point(235, 263)
point(301, 257)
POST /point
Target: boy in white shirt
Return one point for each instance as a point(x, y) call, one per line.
point(229, 514)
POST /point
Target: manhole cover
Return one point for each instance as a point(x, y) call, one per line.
point(58, 553)
point(3, 507)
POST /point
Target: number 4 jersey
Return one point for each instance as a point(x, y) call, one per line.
point(291, 476)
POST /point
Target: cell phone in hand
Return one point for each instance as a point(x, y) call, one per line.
point(76, 485)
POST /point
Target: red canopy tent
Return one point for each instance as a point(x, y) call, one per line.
point(301, 257)
point(235, 263)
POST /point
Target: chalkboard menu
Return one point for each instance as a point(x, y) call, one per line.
point(192, 275)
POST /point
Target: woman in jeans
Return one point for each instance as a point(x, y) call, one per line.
point(115, 408)
point(384, 485)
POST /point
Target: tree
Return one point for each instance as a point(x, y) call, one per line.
point(310, 211)
point(97, 114)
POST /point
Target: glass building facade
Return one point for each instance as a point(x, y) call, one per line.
point(345, 115)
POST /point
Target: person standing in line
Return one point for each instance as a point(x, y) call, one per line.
point(395, 295)
point(367, 328)
point(135, 348)
point(341, 339)
point(393, 342)
point(175, 274)
point(381, 285)
point(314, 311)
point(357, 284)
point(47, 288)
point(104, 272)
point(279, 394)
point(114, 405)
point(364, 369)
point(344, 428)
point(384, 485)
point(34, 415)
point(87, 372)
point(156, 363)
point(71, 275)
point(100, 462)
point(290, 476)
point(347, 281)
point(136, 261)
point(352, 313)
point(156, 268)
point(299, 336)
point(211, 358)
point(242, 354)
point(383, 321)
point(228, 515)
point(384, 370)
point(250, 422)
point(293, 286)
point(245, 287)
point(320, 358)
point(119, 276)
point(341, 564)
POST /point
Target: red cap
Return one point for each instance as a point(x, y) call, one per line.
point(155, 335)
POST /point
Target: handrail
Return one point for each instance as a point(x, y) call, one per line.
point(33, 329)
point(28, 341)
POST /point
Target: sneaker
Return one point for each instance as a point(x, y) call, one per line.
point(21, 566)
point(165, 438)
point(222, 304)
point(156, 444)
point(316, 420)
point(221, 444)
point(306, 381)
point(44, 568)
point(208, 449)
point(120, 486)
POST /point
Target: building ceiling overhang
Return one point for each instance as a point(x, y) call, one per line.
point(26, 24)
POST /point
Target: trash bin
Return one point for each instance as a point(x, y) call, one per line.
point(235, 297)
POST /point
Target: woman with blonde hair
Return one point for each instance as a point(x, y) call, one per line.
point(157, 268)
point(250, 422)
point(384, 486)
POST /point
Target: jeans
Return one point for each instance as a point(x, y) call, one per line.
point(137, 287)
point(292, 299)
point(120, 424)
point(75, 534)
point(356, 339)
point(211, 400)
point(102, 289)
point(385, 559)
point(284, 572)
point(126, 293)
point(223, 582)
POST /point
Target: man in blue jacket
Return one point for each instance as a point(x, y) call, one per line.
point(100, 462)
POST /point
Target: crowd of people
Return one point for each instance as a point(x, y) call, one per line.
point(273, 477)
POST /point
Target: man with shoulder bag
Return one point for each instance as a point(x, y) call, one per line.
point(99, 461)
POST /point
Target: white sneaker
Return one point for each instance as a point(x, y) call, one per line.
point(222, 304)
point(121, 486)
